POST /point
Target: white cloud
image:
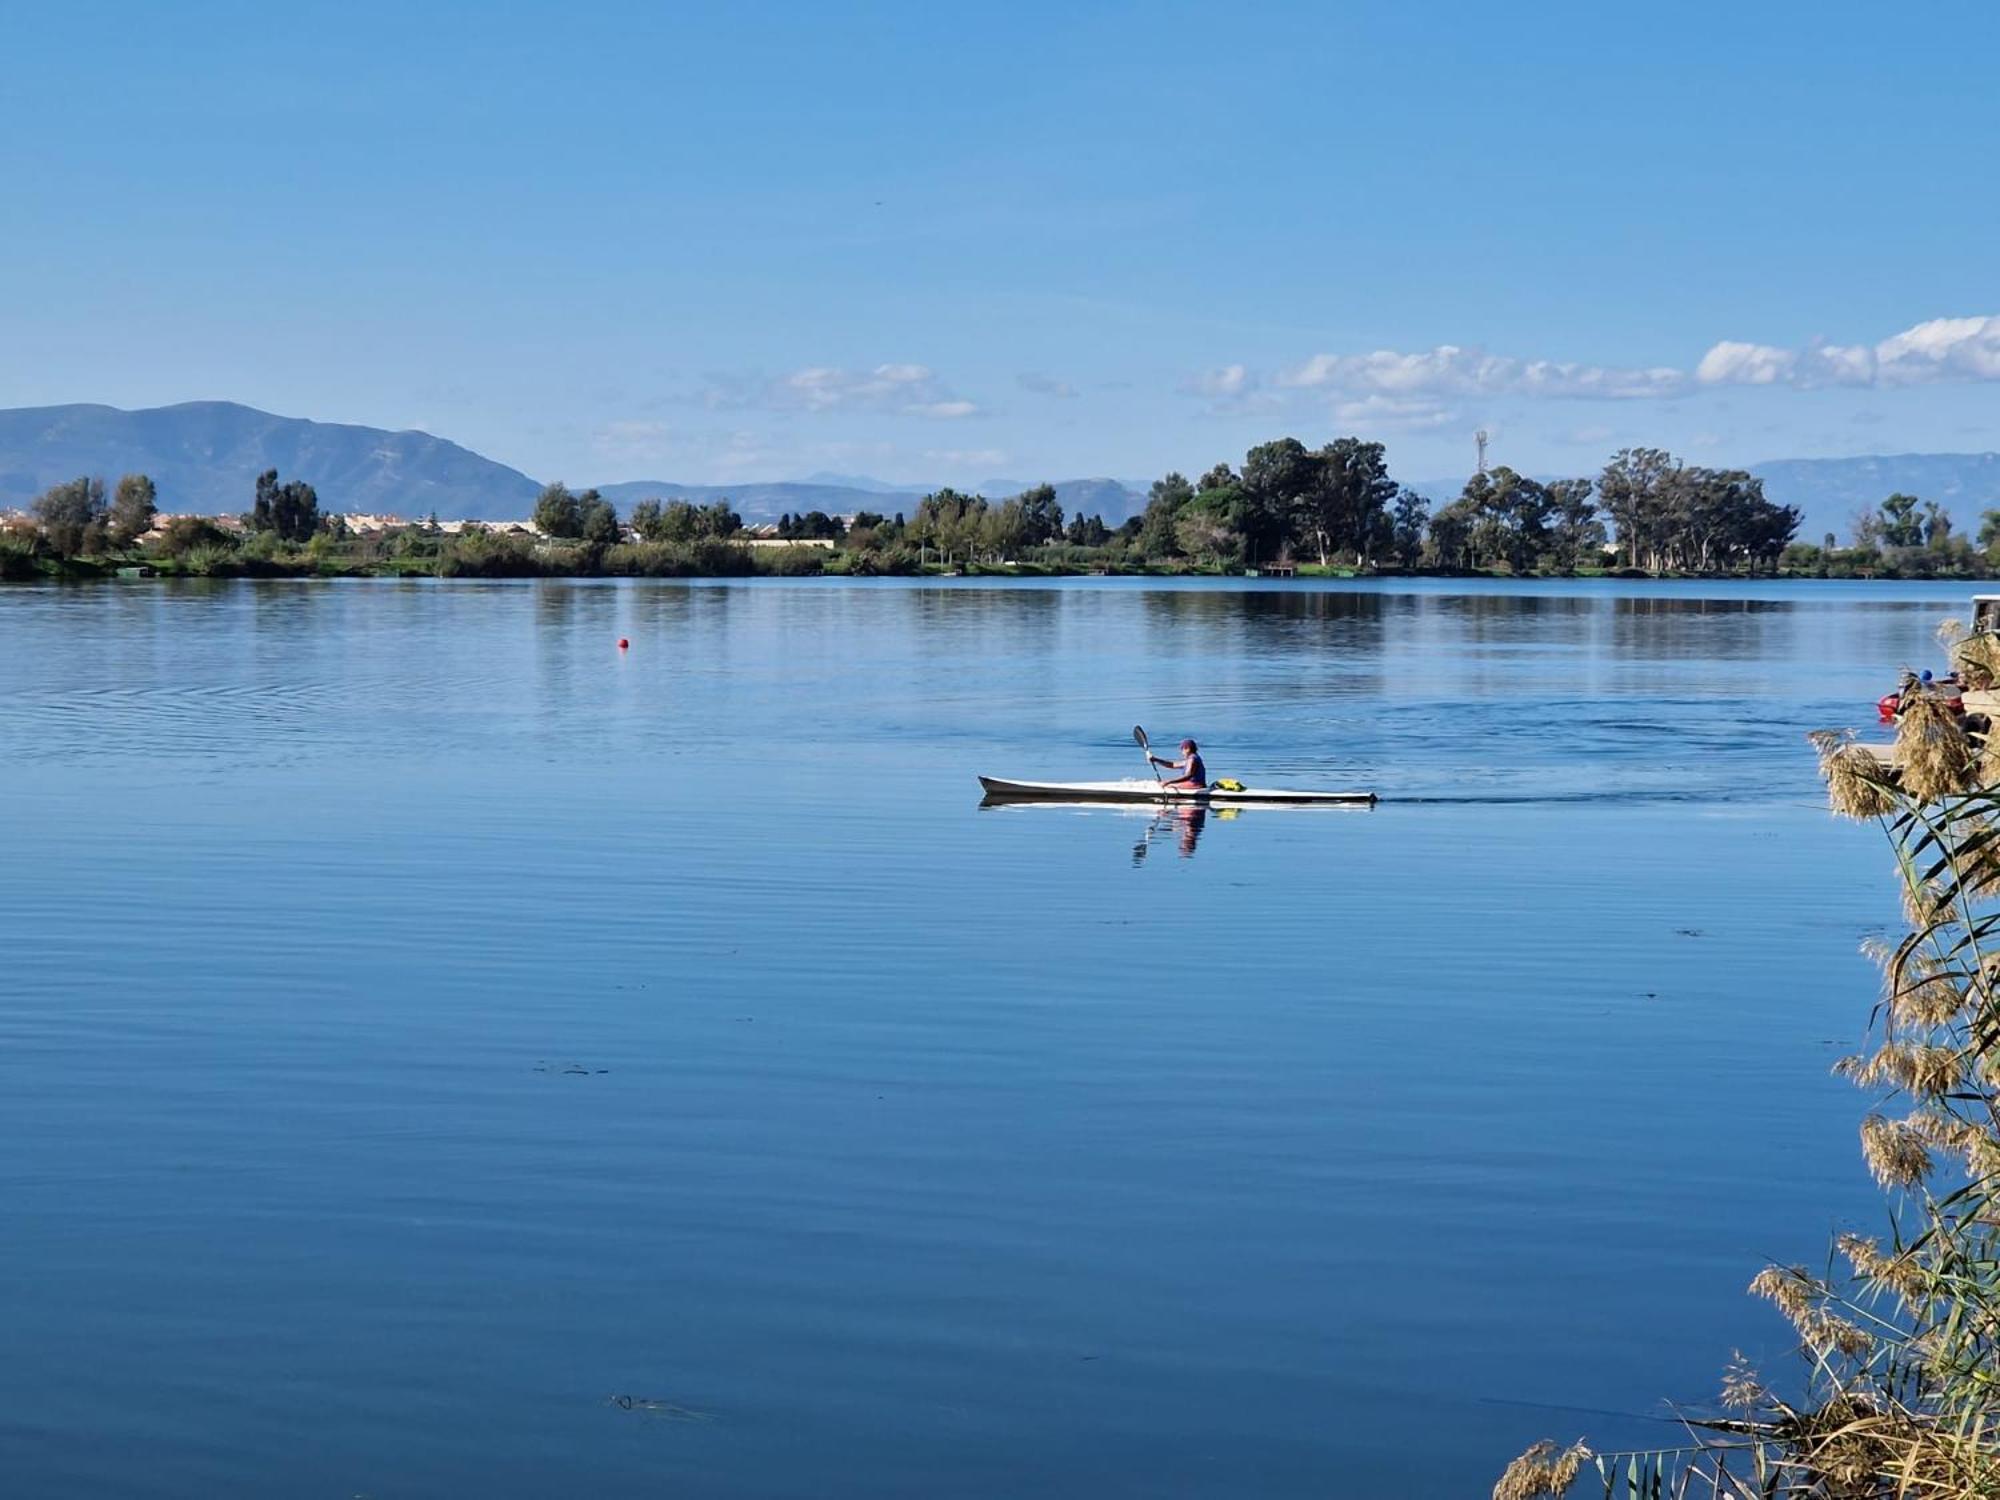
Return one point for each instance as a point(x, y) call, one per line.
point(895, 388)
point(1449, 370)
point(1046, 385)
point(1409, 413)
point(1226, 383)
point(1746, 364)
point(1943, 349)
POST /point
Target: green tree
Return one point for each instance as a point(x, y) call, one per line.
point(185, 534)
point(1989, 532)
point(675, 521)
point(1510, 515)
point(1164, 503)
point(1450, 542)
point(950, 522)
point(1088, 531)
point(717, 520)
point(813, 525)
point(1937, 524)
point(288, 511)
point(71, 516)
point(133, 507)
point(1041, 515)
point(1347, 507)
point(1408, 520)
point(1201, 534)
point(1901, 526)
point(1004, 529)
point(1273, 494)
point(596, 519)
point(1576, 534)
point(1632, 491)
point(558, 513)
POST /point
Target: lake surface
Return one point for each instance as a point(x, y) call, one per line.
point(444, 1055)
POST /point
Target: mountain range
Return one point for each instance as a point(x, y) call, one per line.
point(205, 456)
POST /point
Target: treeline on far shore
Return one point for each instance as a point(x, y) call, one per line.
point(1334, 509)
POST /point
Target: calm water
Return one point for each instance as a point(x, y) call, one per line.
point(424, 1023)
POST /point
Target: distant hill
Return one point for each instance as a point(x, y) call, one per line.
point(1831, 490)
point(206, 456)
point(863, 482)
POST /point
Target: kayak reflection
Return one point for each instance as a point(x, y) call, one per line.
point(1185, 823)
point(1180, 823)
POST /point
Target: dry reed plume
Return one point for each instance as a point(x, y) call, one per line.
point(1976, 659)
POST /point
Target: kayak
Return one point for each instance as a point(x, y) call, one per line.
point(999, 789)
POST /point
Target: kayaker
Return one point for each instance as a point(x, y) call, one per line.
point(1193, 775)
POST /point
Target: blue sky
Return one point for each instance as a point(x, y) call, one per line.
point(942, 242)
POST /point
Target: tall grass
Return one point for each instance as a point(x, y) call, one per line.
point(1900, 1337)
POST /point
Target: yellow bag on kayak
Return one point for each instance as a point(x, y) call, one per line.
point(1227, 784)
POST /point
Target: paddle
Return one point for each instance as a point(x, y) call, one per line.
point(1139, 736)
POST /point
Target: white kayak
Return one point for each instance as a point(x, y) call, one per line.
point(999, 789)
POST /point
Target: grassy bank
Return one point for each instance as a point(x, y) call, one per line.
point(418, 554)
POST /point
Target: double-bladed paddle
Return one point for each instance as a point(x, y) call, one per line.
point(1139, 737)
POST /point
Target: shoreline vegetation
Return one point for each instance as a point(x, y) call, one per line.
point(1286, 510)
point(1899, 1333)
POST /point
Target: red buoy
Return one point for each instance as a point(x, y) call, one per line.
point(623, 644)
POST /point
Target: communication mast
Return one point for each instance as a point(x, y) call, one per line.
point(1479, 437)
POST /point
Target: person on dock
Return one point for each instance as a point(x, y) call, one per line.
point(1193, 775)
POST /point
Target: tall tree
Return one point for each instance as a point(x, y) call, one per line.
point(1450, 542)
point(1041, 515)
point(596, 519)
point(559, 513)
point(1512, 514)
point(1937, 524)
point(1164, 503)
point(1901, 525)
point(717, 520)
point(290, 510)
point(1576, 534)
point(133, 507)
point(1408, 520)
point(1273, 499)
point(1358, 492)
point(71, 516)
point(1632, 490)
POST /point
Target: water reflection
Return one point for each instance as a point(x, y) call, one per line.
point(1183, 823)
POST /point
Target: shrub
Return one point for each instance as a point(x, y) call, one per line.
point(703, 558)
point(17, 556)
point(185, 534)
point(488, 554)
point(792, 562)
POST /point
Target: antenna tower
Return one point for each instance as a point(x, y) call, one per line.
point(1479, 437)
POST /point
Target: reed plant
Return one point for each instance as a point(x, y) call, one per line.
point(1899, 1393)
